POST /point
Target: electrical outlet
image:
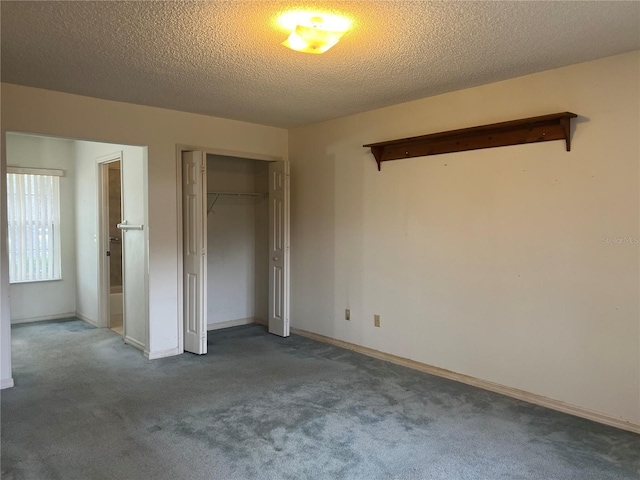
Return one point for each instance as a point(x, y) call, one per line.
point(347, 314)
point(376, 320)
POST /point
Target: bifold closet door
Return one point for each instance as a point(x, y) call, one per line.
point(279, 248)
point(194, 247)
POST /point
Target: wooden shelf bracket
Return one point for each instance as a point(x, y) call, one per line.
point(545, 128)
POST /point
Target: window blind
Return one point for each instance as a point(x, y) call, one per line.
point(33, 214)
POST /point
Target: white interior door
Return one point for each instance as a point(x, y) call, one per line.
point(279, 248)
point(195, 251)
point(134, 250)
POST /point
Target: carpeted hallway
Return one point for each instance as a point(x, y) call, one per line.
point(86, 406)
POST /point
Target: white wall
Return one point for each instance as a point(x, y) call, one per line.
point(492, 263)
point(55, 299)
point(237, 243)
point(86, 212)
point(6, 381)
point(33, 110)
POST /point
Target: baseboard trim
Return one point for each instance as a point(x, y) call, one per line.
point(231, 323)
point(6, 383)
point(170, 352)
point(90, 321)
point(134, 343)
point(477, 382)
point(57, 316)
point(261, 321)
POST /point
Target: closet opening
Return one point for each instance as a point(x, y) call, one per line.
point(235, 244)
point(237, 241)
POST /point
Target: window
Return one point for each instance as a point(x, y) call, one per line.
point(33, 214)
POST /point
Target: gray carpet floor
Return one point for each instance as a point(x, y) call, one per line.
point(86, 406)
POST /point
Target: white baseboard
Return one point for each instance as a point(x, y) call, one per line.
point(231, 323)
point(529, 397)
point(90, 321)
point(6, 383)
point(162, 353)
point(134, 343)
point(57, 316)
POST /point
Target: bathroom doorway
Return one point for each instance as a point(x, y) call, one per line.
point(111, 174)
point(122, 244)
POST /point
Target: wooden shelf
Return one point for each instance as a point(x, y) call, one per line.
point(556, 126)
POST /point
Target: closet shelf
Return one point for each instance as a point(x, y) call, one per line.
point(556, 126)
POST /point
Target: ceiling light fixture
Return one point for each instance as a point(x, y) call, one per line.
point(313, 32)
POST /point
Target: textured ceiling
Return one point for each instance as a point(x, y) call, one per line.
point(224, 58)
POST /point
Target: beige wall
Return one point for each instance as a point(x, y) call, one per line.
point(46, 112)
point(493, 263)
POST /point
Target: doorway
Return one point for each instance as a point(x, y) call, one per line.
point(122, 240)
point(235, 244)
point(112, 205)
point(104, 291)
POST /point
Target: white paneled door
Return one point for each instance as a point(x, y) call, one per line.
point(134, 251)
point(195, 251)
point(279, 248)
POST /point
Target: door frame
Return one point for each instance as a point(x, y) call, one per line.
point(180, 225)
point(102, 189)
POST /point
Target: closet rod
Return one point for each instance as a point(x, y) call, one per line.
point(232, 194)
point(237, 194)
